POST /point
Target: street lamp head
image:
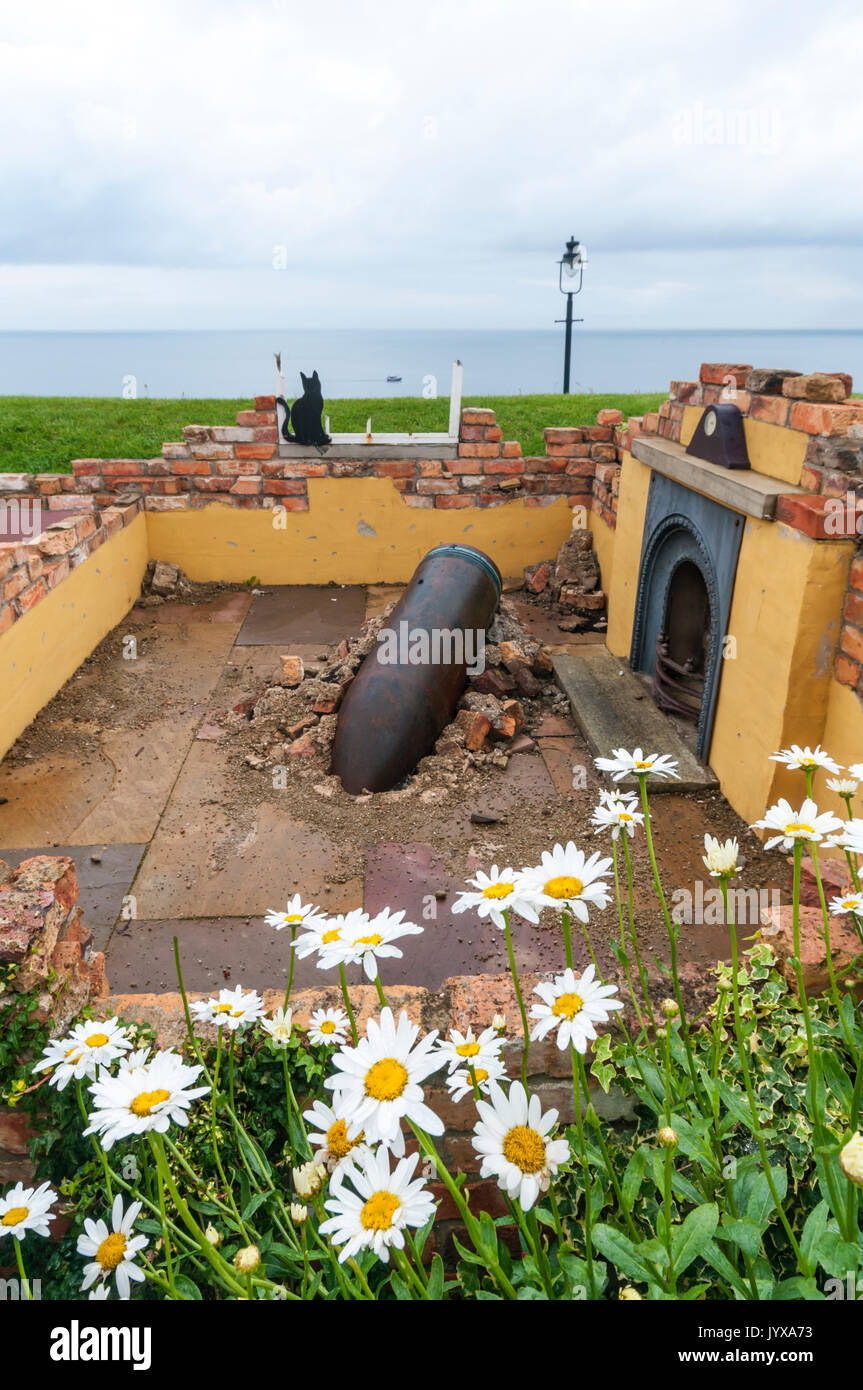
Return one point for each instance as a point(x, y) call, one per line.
point(572, 264)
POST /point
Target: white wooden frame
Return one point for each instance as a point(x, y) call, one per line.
point(448, 436)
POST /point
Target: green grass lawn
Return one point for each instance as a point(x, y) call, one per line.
point(42, 434)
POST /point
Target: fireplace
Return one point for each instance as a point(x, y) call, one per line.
point(686, 578)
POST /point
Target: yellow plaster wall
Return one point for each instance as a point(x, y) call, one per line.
point(356, 531)
point(603, 545)
point(775, 689)
point(623, 588)
point(843, 740)
point(773, 450)
point(46, 646)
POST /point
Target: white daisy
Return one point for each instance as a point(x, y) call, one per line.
point(295, 915)
point(720, 859)
point(363, 940)
point(572, 1005)
point(512, 1135)
point(799, 759)
point(149, 1098)
point(565, 878)
point(113, 1250)
point(500, 890)
point(377, 1085)
point(373, 1217)
point(98, 1294)
point(460, 1083)
point(334, 1143)
point(279, 1026)
point(850, 902)
point(233, 1009)
point(26, 1209)
point(616, 813)
point(856, 770)
point(849, 836)
point(465, 1049)
point(132, 1060)
point(326, 931)
point(637, 764)
point(328, 1026)
point(805, 824)
point(88, 1046)
point(842, 786)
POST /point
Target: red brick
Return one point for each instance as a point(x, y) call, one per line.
point(605, 453)
point(715, 373)
point(856, 575)
point(804, 513)
point(281, 487)
point(557, 435)
point(472, 434)
point(503, 466)
point(824, 419)
point(246, 417)
point(268, 434)
point(547, 465)
point(56, 572)
point(18, 580)
point(479, 451)
point(213, 484)
point(246, 487)
point(295, 469)
point(810, 478)
point(451, 503)
point(477, 415)
point(430, 468)
point(86, 466)
point(494, 434)
point(773, 410)
point(254, 451)
point(30, 597)
point(564, 451)
point(190, 467)
point(511, 450)
point(853, 611)
point(609, 417)
point(294, 504)
point(121, 468)
point(650, 422)
point(847, 672)
point(851, 643)
point(412, 501)
point(581, 468)
point(265, 403)
point(264, 417)
point(394, 468)
point(436, 485)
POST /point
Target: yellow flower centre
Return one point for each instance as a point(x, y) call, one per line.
point(97, 1039)
point(222, 1009)
point(851, 903)
point(328, 1026)
point(293, 917)
point(645, 764)
point(329, 936)
point(796, 827)
point(386, 1079)
point(564, 887)
point(567, 1005)
point(481, 1074)
point(468, 1049)
point(525, 1148)
point(111, 1251)
point(70, 1059)
point(373, 940)
point(498, 890)
point(14, 1216)
point(624, 815)
point(378, 1212)
point(338, 1142)
point(146, 1102)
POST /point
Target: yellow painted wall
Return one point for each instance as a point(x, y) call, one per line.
point(356, 531)
point(603, 545)
point(622, 591)
point(46, 646)
point(773, 450)
point(843, 740)
point(785, 617)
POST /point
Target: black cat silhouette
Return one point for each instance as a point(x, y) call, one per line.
point(305, 414)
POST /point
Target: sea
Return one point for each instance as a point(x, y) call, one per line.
point(358, 363)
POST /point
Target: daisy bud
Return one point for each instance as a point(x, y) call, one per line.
point(662, 1032)
point(299, 1213)
point(851, 1160)
point(247, 1259)
point(628, 1294)
point(669, 1008)
point(498, 1023)
point(213, 1236)
point(667, 1137)
point(302, 1183)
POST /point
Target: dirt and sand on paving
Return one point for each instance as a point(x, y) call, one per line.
point(186, 736)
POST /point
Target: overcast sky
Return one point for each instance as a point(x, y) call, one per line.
point(421, 164)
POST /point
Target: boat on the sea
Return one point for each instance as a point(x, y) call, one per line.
point(393, 378)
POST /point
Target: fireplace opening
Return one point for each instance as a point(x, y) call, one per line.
point(683, 644)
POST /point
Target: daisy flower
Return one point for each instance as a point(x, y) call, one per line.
point(500, 890)
point(806, 759)
point(148, 1098)
point(98, 1294)
point(856, 770)
point(279, 1026)
point(566, 879)
point(88, 1046)
point(295, 915)
point(465, 1049)
point(843, 786)
point(851, 902)
point(512, 1136)
point(616, 813)
point(114, 1251)
point(460, 1083)
point(791, 826)
point(374, 1215)
point(26, 1209)
point(130, 1061)
point(233, 1009)
point(363, 939)
point(333, 1143)
point(573, 1004)
point(328, 1026)
point(378, 1082)
point(326, 931)
point(636, 764)
point(720, 859)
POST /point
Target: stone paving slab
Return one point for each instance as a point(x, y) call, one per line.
point(225, 608)
point(102, 885)
point(215, 953)
point(613, 710)
point(303, 613)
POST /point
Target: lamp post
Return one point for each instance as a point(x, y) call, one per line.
point(572, 264)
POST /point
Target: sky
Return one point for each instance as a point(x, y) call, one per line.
point(413, 165)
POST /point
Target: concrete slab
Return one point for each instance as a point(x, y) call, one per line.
point(612, 710)
point(102, 885)
point(215, 953)
point(208, 861)
point(291, 613)
point(224, 608)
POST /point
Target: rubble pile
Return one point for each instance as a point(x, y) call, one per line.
point(571, 584)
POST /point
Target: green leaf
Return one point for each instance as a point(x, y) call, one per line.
point(634, 1175)
point(436, 1273)
point(618, 1248)
point(689, 1239)
point(400, 1289)
point(717, 1260)
point(184, 1285)
point(797, 1288)
point(253, 1203)
point(813, 1232)
point(743, 1233)
point(760, 1204)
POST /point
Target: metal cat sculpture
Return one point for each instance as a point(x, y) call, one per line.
point(303, 420)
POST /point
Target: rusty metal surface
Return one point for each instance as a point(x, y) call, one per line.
point(289, 613)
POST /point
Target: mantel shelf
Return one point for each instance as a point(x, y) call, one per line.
point(742, 490)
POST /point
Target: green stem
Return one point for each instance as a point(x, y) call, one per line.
point(25, 1283)
point(291, 967)
point(347, 999)
point(585, 1163)
point(633, 934)
point(514, 973)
